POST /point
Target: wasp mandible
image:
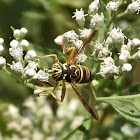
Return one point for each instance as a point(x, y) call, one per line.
point(72, 73)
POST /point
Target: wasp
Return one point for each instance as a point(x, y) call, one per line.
point(72, 73)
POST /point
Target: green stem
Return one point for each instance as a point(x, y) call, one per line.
point(122, 14)
point(101, 99)
point(111, 20)
point(109, 23)
point(9, 73)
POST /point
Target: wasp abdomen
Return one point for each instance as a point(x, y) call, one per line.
point(84, 74)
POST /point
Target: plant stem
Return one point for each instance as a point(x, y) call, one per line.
point(122, 14)
point(9, 73)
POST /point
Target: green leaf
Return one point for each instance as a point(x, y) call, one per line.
point(127, 106)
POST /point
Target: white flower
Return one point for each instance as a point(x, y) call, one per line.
point(108, 69)
point(103, 52)
point(26, 122)
point(126, 67)
point(30, 104)
point(108, 66)
point(85, 32)
point(42, 76)
point(125, 47)
point(109, 40)
point(24, 43)
point(45, 110)
point(23, 31)
point(71, 36)
point(13, 112)
point(13, 126)
point(100, 50)
point(93, 7)
point(134, 6)
point(16, 53)
point(112, 5)
point(32, 65)
point(124, 55)
point(1, 41)
point(81, 57)
point(30, 55)
point(1, 49)
point(16, 66)
point(14, 43)
point(116, 36)
point(78, 44)
point(58, 40)
point(127, 130)
point(2, 61)
point(29, 73)
point(135, 42)
point(17, 34)
point(37, 135)
point(108, 61)
point(96, 19)
point(80, 17)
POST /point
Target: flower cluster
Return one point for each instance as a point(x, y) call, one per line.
point(40, 121)
point(25, 61)
point(134, 7)
point(110, 63)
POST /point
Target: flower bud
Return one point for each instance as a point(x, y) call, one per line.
point(135, 42)
point(1, 41)
point(80, 17)
point(14, 43)
point(29, 73)
point(17, 34)
point(24, 43)
point(16, 66)
point(30, 55)
point(112, 5)
point(2, 61)
point(58, 40)
point(23, 31)
point(127, 67)
point(93, 7)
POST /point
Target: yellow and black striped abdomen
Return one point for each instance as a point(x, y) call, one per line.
point(83, 74)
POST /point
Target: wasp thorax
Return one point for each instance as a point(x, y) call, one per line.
point(56, 71)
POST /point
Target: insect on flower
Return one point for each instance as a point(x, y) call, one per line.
point(72, 73)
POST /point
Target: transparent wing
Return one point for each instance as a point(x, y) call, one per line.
point(88, 101)
point(86, 41)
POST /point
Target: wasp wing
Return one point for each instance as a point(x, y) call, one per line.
point(87, 101)
point(86, 41)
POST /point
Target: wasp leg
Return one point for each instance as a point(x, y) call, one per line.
point(93, 113)
point(49, 92)
point(63, 91)
point(54, 55)
point(56, 84)
point(72, 49)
